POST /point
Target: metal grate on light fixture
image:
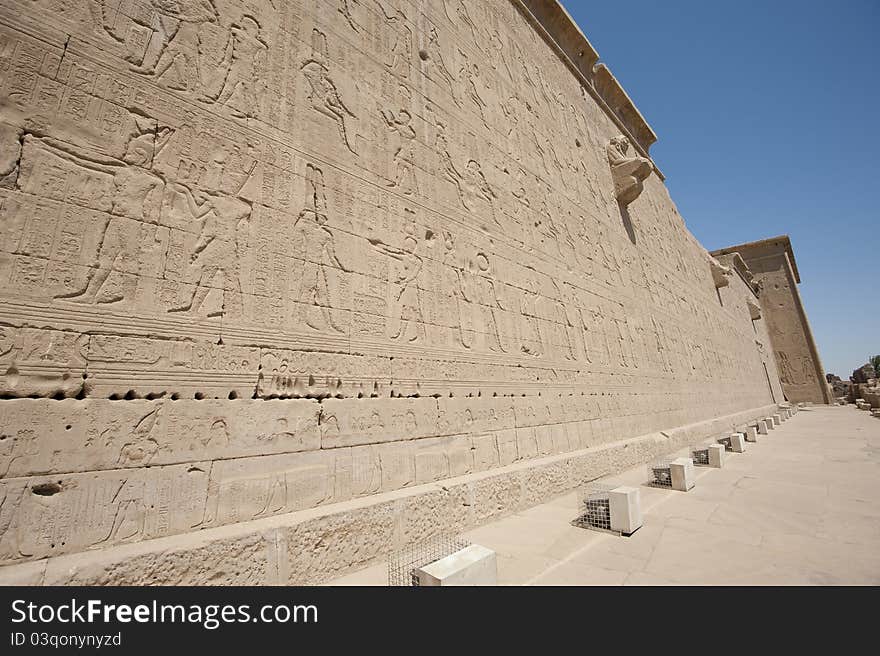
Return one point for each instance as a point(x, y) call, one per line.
point(403, 563)
point(727, 442)
point(661, 474)
point(594, 508)
point(700, 455)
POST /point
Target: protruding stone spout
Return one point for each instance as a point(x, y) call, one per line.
point(629, 172)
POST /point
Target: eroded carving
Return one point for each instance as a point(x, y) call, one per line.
point(629, 172)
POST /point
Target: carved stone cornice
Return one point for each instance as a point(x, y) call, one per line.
point(553, 22)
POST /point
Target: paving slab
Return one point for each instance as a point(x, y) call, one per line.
point(801, 509)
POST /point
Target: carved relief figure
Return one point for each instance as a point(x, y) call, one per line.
point(474, 191)
point(136, 194)
point(433, 54)
point(400, 54)
point(461, 15)
point(142, 445)
point(478, 290)
point(320, 254)
point(244, 61)
point(629, 173)
point(129, 512)
point(220, 246)
point(407, 320)
point(400, 124)
point(470, 74)
point(345, 8)
point(566, 310)
point(786, 370)
point(531, 336)
point(463, 329)
point(322, 93)
point(171, 26)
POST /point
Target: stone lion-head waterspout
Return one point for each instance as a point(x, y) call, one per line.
point(629, 173)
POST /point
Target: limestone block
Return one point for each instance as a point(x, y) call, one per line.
point(351, 422)
point(440, 457)
point(626, 509)
point(683, 475)
point(761, 425)
point(777, 420)
point(286, 373)
point(123, 365)
point(98, 434)
point(771, 425)
point(751, 433)
point(474, 415)
point(473, 565)
point(41, 362)
point(716, 455)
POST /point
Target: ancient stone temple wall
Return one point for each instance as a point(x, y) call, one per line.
point(271, 269)
point(775, 270)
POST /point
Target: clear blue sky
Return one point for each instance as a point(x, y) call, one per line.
point(768, 122)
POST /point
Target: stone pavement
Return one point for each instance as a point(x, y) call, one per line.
point(801, 506)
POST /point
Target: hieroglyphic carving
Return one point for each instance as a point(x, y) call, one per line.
point(406, 319)
point(244, 63)
point(399, 58)
point(257, 225)
point(400, 124)
point(323, 93)
point(320, 253)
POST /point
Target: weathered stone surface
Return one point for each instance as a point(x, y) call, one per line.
point(265, 259)
point(776, 275)
point(312, 546)
point(863, 374)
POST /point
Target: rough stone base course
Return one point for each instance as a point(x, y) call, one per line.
point(313, 546)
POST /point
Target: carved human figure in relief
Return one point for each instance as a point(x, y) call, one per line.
point(400, 53)
point(477, 288)
point(531, 336)
point(137, 195)
point(474, 191)
point(433, 54)
point(325, 97)
point(220, 245)
point(173, 29)
point(320, 246)
point(345, 8)
point(629, 173)
point(400, 124)
point(567, 317)
point(787, 372)
point(470, 74)
point(407, 320)
point(463, 330)
point(462, 16)
point(245, 61)
point(129, 512)
point(141, 445)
